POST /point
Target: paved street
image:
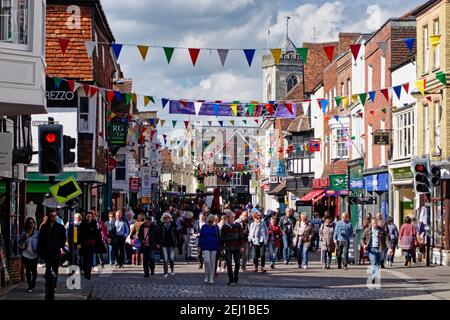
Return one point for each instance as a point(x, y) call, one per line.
point(286, 282)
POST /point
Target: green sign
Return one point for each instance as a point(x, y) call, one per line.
point(117, 134)
point(338, 182)
point(65, 190)
point(402, 173)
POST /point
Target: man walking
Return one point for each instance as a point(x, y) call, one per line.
point(382, 224)
point(342, 234)
point(243, 221)
point(122, 231)
point(232, 240)
point(287, 224)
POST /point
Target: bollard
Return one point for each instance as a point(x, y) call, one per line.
point(50, 284)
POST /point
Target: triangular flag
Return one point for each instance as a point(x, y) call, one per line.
point(221, 123)
point(256, 121)
point(193, 52)
point(109, 95)
point(420, 85)
point(186, 124)
point(276, 53)
point(164, 102)
point(184, 103)
point(384, 110)
point(117, 48)
point(398, 91)
point(434, 40)
point(385, 93)
point(216, 109)
point(251, 108)
point(174, 123)
point(288, 106)
point(118, 96)
point(355, 50)
point(113, 115)
point(234, 108)
point(429, 98)
point(363, 98)
point(71, 85)
point(147, 99)
point(143, 50)
point(345, 102)
point(372, 112)
point(303, 54)
point(305, 106)
point(245, 122)
point(169, 52)
point(406, 87)
point(249, 54)
point(442, 77)
point(86, 89)
point(269, 108)
point(338, 101)
point(409, 43)
point(197, 106)
point(90, 45)
point(222, 55)
point(209, 123)
point(63, 43)
point(372, 96)
point(94, 90)
point(161, 123)
point(336, 118)
point(354, 99)
point(329, 50)
point(383, 47)
point(57, 82)
point(127, 99)
point(323, 104)
point(232, 122)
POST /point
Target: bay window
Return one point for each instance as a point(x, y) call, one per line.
point(404, 134)
point(14, 21)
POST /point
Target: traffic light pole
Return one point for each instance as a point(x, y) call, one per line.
point(428, 248)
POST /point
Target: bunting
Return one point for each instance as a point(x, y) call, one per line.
point(329, 51)
point(338, 101)
point(441, 77)
point(363, 98)
point(420, 85)
point(249, 54)
point(276, 53)
point(90, 45)
point(117, 48)
point(303, 54)
point(63, 44)
point(385, 93)
point(410, 43)
point(174, 123)
point(161, 122)
point(355, 50)
point(434, 40)
point(223, 53)
point(194, 52)
point(186, 124)
point(168, 51)
point(398, 91)
point(372, 96)
point(164, 102)
point(143, 51)
point(234, 109)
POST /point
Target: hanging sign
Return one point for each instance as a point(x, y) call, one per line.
point(134, 184)
point(314, 146)
point(117, 133)
point(338, 182)
point(381, 138)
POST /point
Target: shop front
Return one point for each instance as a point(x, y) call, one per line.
point(377, 187)
point(403, 196)
point(319, 200)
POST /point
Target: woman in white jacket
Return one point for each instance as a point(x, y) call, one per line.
point(258, 237)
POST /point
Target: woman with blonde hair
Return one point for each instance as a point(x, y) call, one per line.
point(209, 243)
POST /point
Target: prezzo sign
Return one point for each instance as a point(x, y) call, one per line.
point(60, 97)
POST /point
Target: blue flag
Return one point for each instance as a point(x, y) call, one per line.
point(324, 104)
point(118, 96)
point(216, 109)
point(372, 96)
point(337, 118)
point(410, 43)
point(221, 123)
point(398, 90)
point(116, 48)
point(249, 54)
point(164, 102)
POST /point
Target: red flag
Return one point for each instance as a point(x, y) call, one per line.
point(256, 121)
point(158, 145)
point(429, 99)
point(186, 124)
point(109, 95)
point(71, 84)
point(269, 108)
point(184, 103)
point(372, 112)
point(406, 87)
point(288, 107)
point(152, 134)
point(355, 50)
point(329, 50)
point(385, 92)
point(94, 91)
point(193, 52)
point(86, 89)
point(164, 136)
point(63, 43)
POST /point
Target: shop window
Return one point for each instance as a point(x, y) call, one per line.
point(121, 167)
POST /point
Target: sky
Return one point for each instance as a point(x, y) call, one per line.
point(227, 24)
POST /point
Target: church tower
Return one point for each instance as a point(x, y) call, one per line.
point(279, 79)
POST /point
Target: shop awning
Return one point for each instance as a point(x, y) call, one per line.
point(279, 189)
point(313, 195)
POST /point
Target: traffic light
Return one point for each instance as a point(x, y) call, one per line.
point(69, 143)
point(435, 175)
point(422, 181)
point(50, 138)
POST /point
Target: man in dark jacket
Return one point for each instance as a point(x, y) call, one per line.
point(167, 239)
point(243, 221)
point(287, 224)
point(51, 241)
point(148, 235)
point(232, 240)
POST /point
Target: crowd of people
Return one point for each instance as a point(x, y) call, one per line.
point(217, 241)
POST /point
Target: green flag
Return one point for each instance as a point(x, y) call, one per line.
point(57, 82)
point(169, 52)
point(127, 98)
point(245, 122)
point(441, 77)
point(303, 54)
point(384, 110)
point(363, 97)
point(174, 123)
point(251, 107)
point(338, 100)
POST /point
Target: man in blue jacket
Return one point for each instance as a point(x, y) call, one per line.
point(342, 234)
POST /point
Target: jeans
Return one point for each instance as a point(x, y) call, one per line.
point(272, 252)
point(326, 257)
point(120, 250)
point(375, 260)
point(233, 254)
point(209, 258)
point(287, 240)
point(149, 257)
point(342, 253)
point(187, 246)
point(315, 241)
point(244, 258)
point(88, 259)
point(302, 253)
point(168, 258)
point(394, 243)
point(259, 251)
point(111, 255)
point(30, 271)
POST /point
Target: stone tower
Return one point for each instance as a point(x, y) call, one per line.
point(279, 79)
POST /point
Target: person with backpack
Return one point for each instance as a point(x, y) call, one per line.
point(327, 245)
point(147, 235)
point(393, 234)
point(208, 242)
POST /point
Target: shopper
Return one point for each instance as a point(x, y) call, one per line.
point(208, 242)
point(287, 224)
point(232, 241)
point(342, 235)
point(148, 236)
point(168, 236)
point(407, 240)
point(274, 240)
point(28, 243)
point(327, 244)
point(258, 237)
point(316, 223)
point(90, 243)
point(199, 223)
point(393, 235)
point(303, 232)
point(122, 232)
point(243, 221)
point(111, 238)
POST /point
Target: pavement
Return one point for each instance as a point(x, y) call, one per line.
point(285, 282)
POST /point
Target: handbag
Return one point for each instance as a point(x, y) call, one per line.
point(137, 243)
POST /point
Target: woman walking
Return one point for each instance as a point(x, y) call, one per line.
point(90, 242)
point(28, 243)
point(258, 236)
point(393, 234)
point(274, 240)
point(168, 241)
point(327, 245)
point(303, 231)
point(407, 240)
point(148, 236)
point(209, 243)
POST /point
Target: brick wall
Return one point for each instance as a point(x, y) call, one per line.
point(317, 61)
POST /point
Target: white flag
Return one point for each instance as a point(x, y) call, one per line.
point(197, 106)
point(90, 45)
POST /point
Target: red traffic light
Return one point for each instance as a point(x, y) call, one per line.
point(420, 168)
point(50, 137)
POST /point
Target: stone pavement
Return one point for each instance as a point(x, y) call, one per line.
point(285, 282)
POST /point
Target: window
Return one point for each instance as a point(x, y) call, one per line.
point(121, 167)
point(369, 146)
point(342, 89)
point(341, 143)
point(14, 21)
point(436, 52)
point(404, 134)
point(237, 180)
point(426, 125)
point(426, 48)
point(437, 124)
point(383, 72)
point(383, 148)
point(369, 78)
point(269, 88)
point(83, 114)
point(291, 82)
point(349, 89)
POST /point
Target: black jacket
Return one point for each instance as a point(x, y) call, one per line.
point(51, 240)
point(90, 237)
point(287, 225)
point(152, 235)
point(168, 238)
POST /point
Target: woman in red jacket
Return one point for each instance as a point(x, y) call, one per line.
point(407, 240)
point(274, 241)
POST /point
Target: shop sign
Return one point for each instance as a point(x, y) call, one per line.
point(381, 138)
point(253, 186)
point(357, 184)
point(314, 146)
point(266, 187)
point(118, 133)
point(146, 200)
point(317, 183)
point(134, 184)
point(325, 182)
point(338, 182)
point(402, 173)
point(6, 151)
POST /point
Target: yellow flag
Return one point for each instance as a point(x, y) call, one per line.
point(234, 109)
point(162, 122)
point(420, 85)
point(146, 100)
point(113, 115)
point(354, 98)
point(143, 50)
point(435, 40)
point(276, 53)
point(134, 98)
point(345, 102)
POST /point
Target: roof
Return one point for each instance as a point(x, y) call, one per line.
point(280, 189)
point(301, 123)
point(387, 22)
point(418, 10)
